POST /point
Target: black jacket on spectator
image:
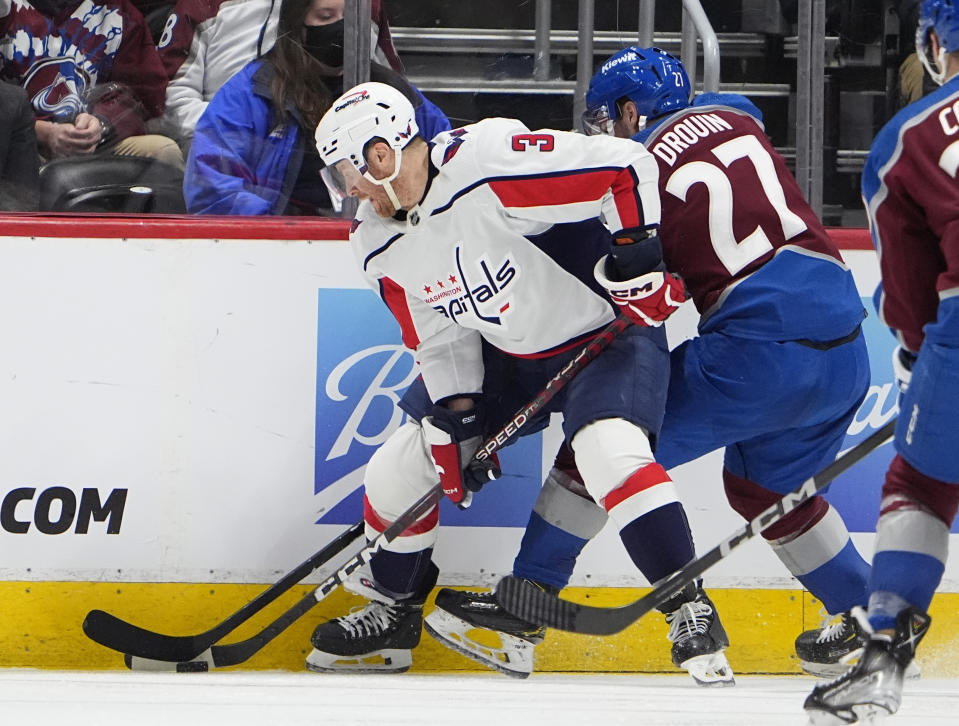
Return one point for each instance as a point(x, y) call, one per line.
point(19, 161)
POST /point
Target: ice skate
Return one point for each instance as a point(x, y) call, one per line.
point(698, 637)
point(377, 638)
point(836, 646)
point(872, 689)
point(824, 651)
point(474, 624)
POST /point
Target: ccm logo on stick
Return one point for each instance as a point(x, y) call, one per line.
point(57, 509)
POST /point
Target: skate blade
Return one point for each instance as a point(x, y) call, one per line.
point(710, 670)
point(825, 718)
point(830, 671)
point(827, 671)
point(513, 657)
point(380, 661)
point(863, 715)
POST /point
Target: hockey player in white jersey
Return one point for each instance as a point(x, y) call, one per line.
point(767, 379)
point(486, 246)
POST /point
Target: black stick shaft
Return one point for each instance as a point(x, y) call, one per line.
point(532, 604)
point(113, 632)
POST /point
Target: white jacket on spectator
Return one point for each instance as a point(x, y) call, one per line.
point(205, 42)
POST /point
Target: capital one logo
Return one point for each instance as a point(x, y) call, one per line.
point(362, 371)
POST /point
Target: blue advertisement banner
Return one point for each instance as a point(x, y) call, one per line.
point(361, 373)
point(856, 493)
point(362, 370)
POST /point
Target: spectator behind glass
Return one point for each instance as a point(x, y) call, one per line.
point(91, 73)
point(253, 150)
point(19, 161)
point(205, 42)
point(913, 82)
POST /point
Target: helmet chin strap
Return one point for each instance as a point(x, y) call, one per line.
point(386, 182)
point(935, 67)
point(388, 188)
point(940, 75)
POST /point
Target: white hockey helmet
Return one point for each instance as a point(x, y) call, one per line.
point(367, 111)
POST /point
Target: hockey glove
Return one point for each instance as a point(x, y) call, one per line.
point(453, 438)
point(637, 280)
point(902, 362)
point(634, 252)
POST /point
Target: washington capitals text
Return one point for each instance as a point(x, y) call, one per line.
point(456, 294)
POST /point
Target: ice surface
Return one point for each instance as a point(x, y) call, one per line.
point(266, 698)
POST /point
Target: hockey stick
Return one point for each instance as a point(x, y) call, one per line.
point(530, 603)
point(111, 631)
point(219, 656)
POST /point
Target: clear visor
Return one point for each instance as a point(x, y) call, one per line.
point(344, 176)
point(598, 121)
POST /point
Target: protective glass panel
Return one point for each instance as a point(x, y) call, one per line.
point(158, 130)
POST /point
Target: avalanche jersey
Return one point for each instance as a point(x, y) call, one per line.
point(911, 194)
point(475, 258)
point(58, 60)
point(754, 256)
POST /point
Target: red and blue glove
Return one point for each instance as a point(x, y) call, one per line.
point(453, 438)
point(637, 281)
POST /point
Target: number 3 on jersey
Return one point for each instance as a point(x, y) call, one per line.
point(736, 254)
point(538, 142)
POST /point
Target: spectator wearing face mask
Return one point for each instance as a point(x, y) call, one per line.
point(253, 151)
point(205, 42)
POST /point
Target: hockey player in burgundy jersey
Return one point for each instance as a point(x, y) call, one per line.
point(484, 243)
point(911, 194)
point(779, 367)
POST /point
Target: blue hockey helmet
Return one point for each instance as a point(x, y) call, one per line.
point(649, 77)
point(943, 17)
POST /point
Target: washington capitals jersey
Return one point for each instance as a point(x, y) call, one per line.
point(911, 194)
point(754, 256)
point(59, 59)
point(475, 259)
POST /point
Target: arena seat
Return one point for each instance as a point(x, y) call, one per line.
point(111, 184)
